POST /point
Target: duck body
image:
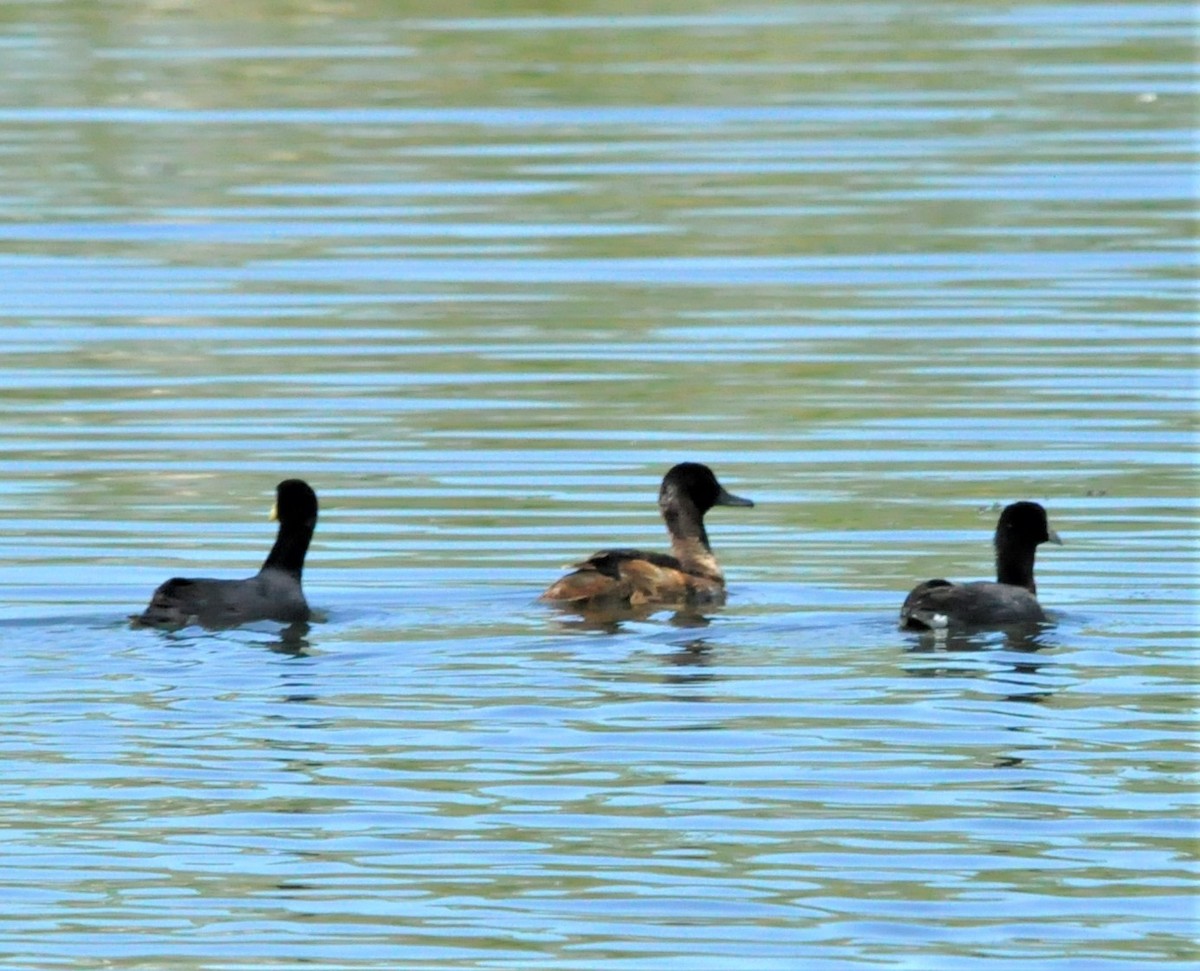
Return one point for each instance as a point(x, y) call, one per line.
point(274, 593)
point(1011, 599)
point(635, 578)
point(690, 574)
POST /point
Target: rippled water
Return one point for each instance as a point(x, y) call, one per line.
point(481, 277)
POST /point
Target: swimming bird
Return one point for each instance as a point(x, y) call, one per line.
point(1012, 599)
point(632, 578)
point(274, 593)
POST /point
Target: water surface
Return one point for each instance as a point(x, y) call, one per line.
point(481, 277)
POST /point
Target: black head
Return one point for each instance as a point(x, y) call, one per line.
point(295, 503)
point(1024, 524)
point(695, 483)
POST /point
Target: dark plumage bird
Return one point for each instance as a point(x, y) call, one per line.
point(273, 594)
point(633, 578)
point(1012, 599)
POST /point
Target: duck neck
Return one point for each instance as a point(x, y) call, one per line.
point(689, 540)
point(291, 546)
point(1014, 565)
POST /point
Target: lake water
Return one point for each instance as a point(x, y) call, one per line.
point(480, 277)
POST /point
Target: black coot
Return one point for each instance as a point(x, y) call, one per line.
point(273, 594)
point(1012, 599)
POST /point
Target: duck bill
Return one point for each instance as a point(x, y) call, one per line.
point(729, 499)
point(1054, 538)
point(274, 517)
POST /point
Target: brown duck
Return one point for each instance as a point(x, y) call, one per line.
point(633, 578)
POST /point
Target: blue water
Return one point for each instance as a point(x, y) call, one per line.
point(481, 277)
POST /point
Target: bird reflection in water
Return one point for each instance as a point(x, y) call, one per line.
point(1021, 639)
point(293, 640)
point(611, 619)
point(694, 654)
point(692, 658)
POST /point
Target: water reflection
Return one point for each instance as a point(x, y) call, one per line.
point(1021, 677)
point(1032, 636)
point(477, 272)
point(692, 659)
point(293, 640)
point(289, 641)
point(615, 619)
